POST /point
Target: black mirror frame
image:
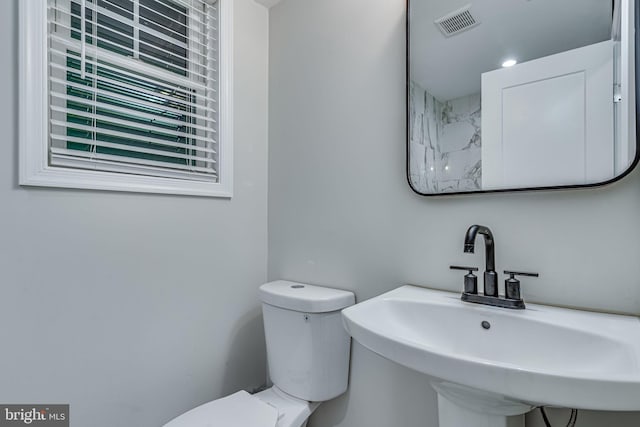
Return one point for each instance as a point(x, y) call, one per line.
point(555, 187)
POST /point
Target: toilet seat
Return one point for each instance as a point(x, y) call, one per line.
point(237, 410)
point(269, 408)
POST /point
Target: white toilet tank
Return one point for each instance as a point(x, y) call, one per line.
point(308, 349)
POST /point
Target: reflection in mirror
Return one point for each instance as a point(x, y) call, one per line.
point(511, 94)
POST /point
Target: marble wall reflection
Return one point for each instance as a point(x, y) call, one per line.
point(445, 142)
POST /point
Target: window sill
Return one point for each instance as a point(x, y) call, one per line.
point(98, 180)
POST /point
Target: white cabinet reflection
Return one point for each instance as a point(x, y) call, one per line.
point(564, 115)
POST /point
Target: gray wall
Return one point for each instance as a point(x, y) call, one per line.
point(342, 214)
point(134, 308)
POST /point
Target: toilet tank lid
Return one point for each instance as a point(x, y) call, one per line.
point(305, 298)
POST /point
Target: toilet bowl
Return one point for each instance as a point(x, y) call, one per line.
point(308, 354)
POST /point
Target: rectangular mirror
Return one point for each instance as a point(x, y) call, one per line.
point(520, 94)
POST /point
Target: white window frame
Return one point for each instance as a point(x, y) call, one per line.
point(34, 167)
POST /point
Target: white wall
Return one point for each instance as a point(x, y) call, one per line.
point(134, 308)
point(342, 214)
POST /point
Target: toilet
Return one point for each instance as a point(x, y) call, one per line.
point(308, 354)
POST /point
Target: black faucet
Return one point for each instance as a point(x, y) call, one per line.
point(490, 275)
point(512, 297)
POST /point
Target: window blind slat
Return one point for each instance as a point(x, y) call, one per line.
point(100, 156)
point(186, 70)
point(125, 36)
point(139, 136)
point(133, 160)
point(115, 133)
point(131, 100)
point(181, 87)
point(131, 93)
point(196, 6)
point(91, 51)
point(112, 108)
point(120, 79)
point(99, 143)
point(206, 34)
point(131, 169)
point(122, 62)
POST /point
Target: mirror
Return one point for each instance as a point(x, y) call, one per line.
point(519, 94)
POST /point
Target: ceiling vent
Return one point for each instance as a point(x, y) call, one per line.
point(456, 22)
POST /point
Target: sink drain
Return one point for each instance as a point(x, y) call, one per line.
point(485, 324)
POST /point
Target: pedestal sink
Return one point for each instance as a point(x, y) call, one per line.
point(491, 365)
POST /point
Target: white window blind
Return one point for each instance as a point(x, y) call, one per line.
point(133, 87)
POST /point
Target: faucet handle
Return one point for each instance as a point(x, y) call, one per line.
point(519, 273)
point(470, 280)
point(512, 285)
point(461, 267)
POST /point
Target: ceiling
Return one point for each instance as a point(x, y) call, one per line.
point(450, 67)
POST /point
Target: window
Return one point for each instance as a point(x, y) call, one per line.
point(129, 95)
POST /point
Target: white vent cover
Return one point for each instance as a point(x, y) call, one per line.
point(456, 22)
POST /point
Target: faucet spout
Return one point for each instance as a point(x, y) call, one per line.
point(490, 275)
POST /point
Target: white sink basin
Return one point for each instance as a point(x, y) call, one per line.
point(538, 356)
